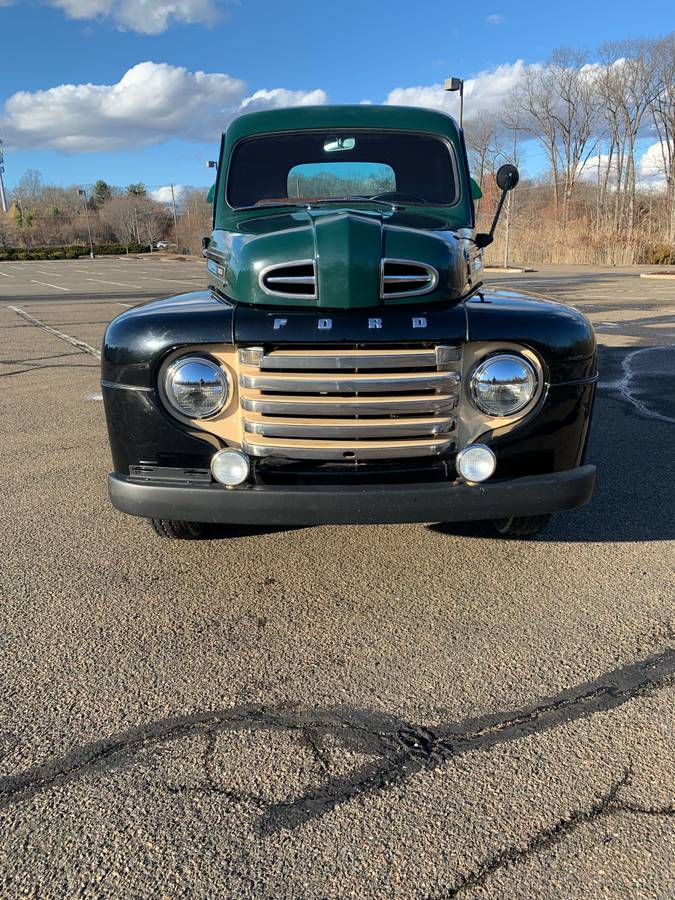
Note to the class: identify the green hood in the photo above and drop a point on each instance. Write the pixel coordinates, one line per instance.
(347, 246)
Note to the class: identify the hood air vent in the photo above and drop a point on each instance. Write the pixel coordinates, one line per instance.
(404, 278)
(294, 279)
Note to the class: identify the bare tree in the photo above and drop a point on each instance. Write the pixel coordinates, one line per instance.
(533, 106)
(662, 109)
(121, 214)
(576, 115)
(631, 87)
(29, 187)
(153, 221)
(482, 142)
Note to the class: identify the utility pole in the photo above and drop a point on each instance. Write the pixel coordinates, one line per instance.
(175, 218)
(86, 206)
(3, 196)
(507, 234)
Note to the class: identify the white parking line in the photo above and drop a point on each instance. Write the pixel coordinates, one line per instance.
(49, 272)
(6, 275)
(196, 281)
(46, 284)
(85, 348)
(130, 305)
(118, 283)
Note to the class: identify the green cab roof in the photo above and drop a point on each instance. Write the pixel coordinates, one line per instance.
(363, 115)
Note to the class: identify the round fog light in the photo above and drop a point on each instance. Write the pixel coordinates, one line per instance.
(230, 467)
(476, 462)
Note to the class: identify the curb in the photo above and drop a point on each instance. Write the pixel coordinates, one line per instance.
(500, 270)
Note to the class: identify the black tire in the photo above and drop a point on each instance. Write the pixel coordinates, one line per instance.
(174, 528)
(521, 526)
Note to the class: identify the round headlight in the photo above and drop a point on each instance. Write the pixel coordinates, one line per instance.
(503, 385)
(195, 386)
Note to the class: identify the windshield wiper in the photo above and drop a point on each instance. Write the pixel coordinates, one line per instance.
(361, 198)
(289, 202)
(298, 201)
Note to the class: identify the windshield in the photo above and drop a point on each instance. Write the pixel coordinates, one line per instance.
(336, 165)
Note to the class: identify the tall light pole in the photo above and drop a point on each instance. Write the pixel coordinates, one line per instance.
(86, 206)
(3, 196)
(457, 84)
(175, 218)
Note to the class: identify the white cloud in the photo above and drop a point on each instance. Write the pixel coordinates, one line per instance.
(151, 103)
(163, 194)
(595, 169)
(486, 93)
(145, 16)
(653, 164)
(494, 20)
(650, 168)
(279, 97)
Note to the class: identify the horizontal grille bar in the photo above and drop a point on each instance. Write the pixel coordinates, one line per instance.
(348, 384)
(349, 403)
(291, 360)
(337, 407)
(357, 450)
(388, 428)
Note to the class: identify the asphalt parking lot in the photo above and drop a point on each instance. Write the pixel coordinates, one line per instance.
(390, 711)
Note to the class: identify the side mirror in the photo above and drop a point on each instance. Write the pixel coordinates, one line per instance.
(507, 178)
(205, 243)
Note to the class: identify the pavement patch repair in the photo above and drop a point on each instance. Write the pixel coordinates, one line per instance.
(371, 711)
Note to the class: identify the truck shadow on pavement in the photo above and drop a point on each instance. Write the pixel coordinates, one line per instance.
(632, 436)
(395, 749)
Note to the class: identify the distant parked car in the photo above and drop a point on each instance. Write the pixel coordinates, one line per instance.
(164, 245)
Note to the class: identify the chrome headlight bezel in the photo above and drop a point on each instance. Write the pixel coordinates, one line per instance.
(532, 380)
(172, 368)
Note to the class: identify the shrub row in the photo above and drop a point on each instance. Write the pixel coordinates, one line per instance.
(659, 255)
(10, 254)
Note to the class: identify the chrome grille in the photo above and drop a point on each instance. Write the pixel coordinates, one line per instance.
(405, 278)
(349, 403)
(295, 279)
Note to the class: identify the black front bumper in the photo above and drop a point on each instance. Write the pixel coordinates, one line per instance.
(338, 505)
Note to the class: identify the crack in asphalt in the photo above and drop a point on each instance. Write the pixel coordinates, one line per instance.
(608, 804)
(31, 360)
(32, 368)
(400, 749)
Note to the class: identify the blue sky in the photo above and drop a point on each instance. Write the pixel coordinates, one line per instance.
(344, 51)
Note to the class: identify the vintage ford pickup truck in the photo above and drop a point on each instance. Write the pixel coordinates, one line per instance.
(345, 363)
